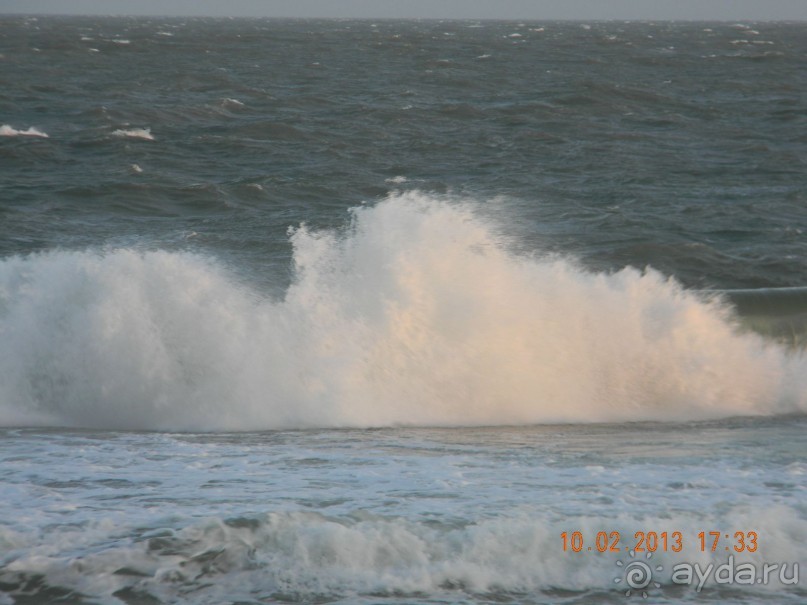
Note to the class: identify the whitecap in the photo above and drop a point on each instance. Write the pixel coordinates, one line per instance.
(134, 133)
(10, 131)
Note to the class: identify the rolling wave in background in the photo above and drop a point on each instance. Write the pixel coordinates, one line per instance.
(415, 314)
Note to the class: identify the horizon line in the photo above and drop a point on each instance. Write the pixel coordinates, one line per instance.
(371, 18)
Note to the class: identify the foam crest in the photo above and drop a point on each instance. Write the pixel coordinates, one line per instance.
(134, 133)
(415, 314)
(10, 131)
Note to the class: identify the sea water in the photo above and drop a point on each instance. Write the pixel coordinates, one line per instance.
(437, 312)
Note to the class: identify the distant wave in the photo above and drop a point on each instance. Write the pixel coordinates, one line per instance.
(414, 315)
(10, 131)
(134, 133)
(231, 103)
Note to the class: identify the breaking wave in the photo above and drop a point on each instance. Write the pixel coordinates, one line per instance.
(134, 133)
(308, 557)
(10, 131)
(416, 314)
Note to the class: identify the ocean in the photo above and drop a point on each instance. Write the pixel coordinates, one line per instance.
(335, 311)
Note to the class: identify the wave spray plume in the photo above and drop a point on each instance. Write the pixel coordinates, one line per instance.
(414, 315)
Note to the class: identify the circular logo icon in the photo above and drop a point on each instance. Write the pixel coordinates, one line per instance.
(637, 575)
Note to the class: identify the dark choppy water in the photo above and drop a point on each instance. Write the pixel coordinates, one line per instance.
(676, 145)
(240, 229)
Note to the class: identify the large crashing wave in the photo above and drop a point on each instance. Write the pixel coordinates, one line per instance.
(415, 315)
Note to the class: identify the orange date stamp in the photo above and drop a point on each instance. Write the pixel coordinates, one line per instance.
(664, 541)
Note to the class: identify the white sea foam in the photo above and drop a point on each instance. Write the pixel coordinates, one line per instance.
(231, 103)
(307, 554)
(134, 133)
(415, 315)
(10, 131)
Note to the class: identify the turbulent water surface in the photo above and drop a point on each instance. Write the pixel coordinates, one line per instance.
(343, 311)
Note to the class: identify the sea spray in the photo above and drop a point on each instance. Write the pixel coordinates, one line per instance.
(415, 314)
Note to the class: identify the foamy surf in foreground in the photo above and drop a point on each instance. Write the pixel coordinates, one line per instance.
(299, 556)
(414, 315)
(395, 516)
